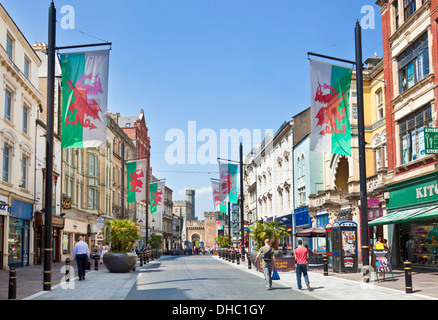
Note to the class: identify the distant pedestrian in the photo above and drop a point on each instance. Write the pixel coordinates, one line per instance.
(81, 252)
(103, 251)
(268, 261)
(301, 255)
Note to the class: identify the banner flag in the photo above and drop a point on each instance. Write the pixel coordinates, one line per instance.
(218, 204)
(84, 99)
(136, 178)
(330, 115)
(157, 196)
(228, 182)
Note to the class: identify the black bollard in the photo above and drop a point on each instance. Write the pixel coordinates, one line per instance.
(249, 262)
(96, 262)
(12, 293)
(141, 258)
(408, 277)
(238, 257)
(325, 259)
(67, 270)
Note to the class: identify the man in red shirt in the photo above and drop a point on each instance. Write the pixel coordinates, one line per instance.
(301, 256)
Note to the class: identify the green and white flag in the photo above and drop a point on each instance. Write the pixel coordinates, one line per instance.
(330, 94)
(228, 182)
(136, 177)
(157, 196)
(218, 204)
(84, 99)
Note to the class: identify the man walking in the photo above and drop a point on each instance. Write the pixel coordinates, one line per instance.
(81, 252)
(267, 253)
(301, 255)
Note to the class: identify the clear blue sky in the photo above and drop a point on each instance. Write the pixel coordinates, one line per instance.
(223, 63)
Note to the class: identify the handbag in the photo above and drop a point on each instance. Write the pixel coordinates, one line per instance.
(275, 275)
(88, 265)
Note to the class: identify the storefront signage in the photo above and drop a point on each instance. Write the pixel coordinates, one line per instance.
(431, 140)
(413, 192)
(281, 264)
(382, 262)
(4, 206)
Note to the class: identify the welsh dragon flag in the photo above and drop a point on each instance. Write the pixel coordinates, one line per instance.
(228, 182)
(330, 94)
(218, 204)
(136, 177)
(84, 99)
(157, 196)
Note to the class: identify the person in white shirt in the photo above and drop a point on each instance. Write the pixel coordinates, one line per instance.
(81, 252)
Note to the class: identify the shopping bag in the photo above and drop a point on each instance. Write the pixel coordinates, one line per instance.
(275, 275)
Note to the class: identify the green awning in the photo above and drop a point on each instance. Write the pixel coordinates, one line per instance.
(428, 214)
(400, 216)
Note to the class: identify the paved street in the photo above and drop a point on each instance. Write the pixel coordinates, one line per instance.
(199, 278)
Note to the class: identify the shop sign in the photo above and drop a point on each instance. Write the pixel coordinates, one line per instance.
(431, 140)
(5, 208)
(382, 261)
(414, 193)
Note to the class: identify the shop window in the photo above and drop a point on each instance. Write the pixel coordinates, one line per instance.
(412, 134)
(413, 63)
(419, 243)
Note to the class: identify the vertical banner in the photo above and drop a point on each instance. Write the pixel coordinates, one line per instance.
(157, 196)
(136, 178)
(330, 115)
(228, 182)
(218, 204)
(84, 99)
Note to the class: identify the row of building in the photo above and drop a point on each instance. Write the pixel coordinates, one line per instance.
(299, 188)
(87, 183)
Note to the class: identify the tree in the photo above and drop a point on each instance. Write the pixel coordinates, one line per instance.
(222, 241)
(155, 241)
(268, 230)
(123, 234)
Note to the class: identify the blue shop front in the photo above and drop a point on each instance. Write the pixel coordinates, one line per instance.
(302, 222)
(19, 233)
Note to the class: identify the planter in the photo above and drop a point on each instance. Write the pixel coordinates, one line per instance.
(119, 262)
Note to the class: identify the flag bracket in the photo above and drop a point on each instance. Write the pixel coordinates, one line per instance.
(84, 46)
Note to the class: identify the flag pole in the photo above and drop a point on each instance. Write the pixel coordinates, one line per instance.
(48, 250)
(242, 198)
(362, 161)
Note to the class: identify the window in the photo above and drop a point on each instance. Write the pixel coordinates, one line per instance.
(413, 63)
(6, 162)
(302, 196)
(409, 7)
(412, 133)
(92, 198)
(92, 165)
(8, 104)
(396, 15)
(26, 70)
(24, 162)
(9, 46)
(25, 119)
(379, 103)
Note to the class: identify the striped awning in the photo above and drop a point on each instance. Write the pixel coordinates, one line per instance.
(401, 216)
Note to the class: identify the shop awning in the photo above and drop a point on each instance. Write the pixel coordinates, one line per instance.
(401, 216)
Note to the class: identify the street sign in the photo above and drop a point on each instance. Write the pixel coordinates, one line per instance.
(99, 223)
(431, 140)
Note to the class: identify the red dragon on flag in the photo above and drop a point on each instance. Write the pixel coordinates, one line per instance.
(330, 113)
(136, 184)
(157, 197)
(84, 106)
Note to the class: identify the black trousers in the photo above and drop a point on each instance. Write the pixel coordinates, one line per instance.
(81, 259)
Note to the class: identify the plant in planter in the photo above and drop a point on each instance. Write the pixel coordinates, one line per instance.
(155, 242)
(267, 230)
(222, 241)
(123, 235)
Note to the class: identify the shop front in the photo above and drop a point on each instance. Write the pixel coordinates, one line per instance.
(57, 227)
(19, 233)
(302, 222)
(412, 221)
(73, 228)
(286, 242)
